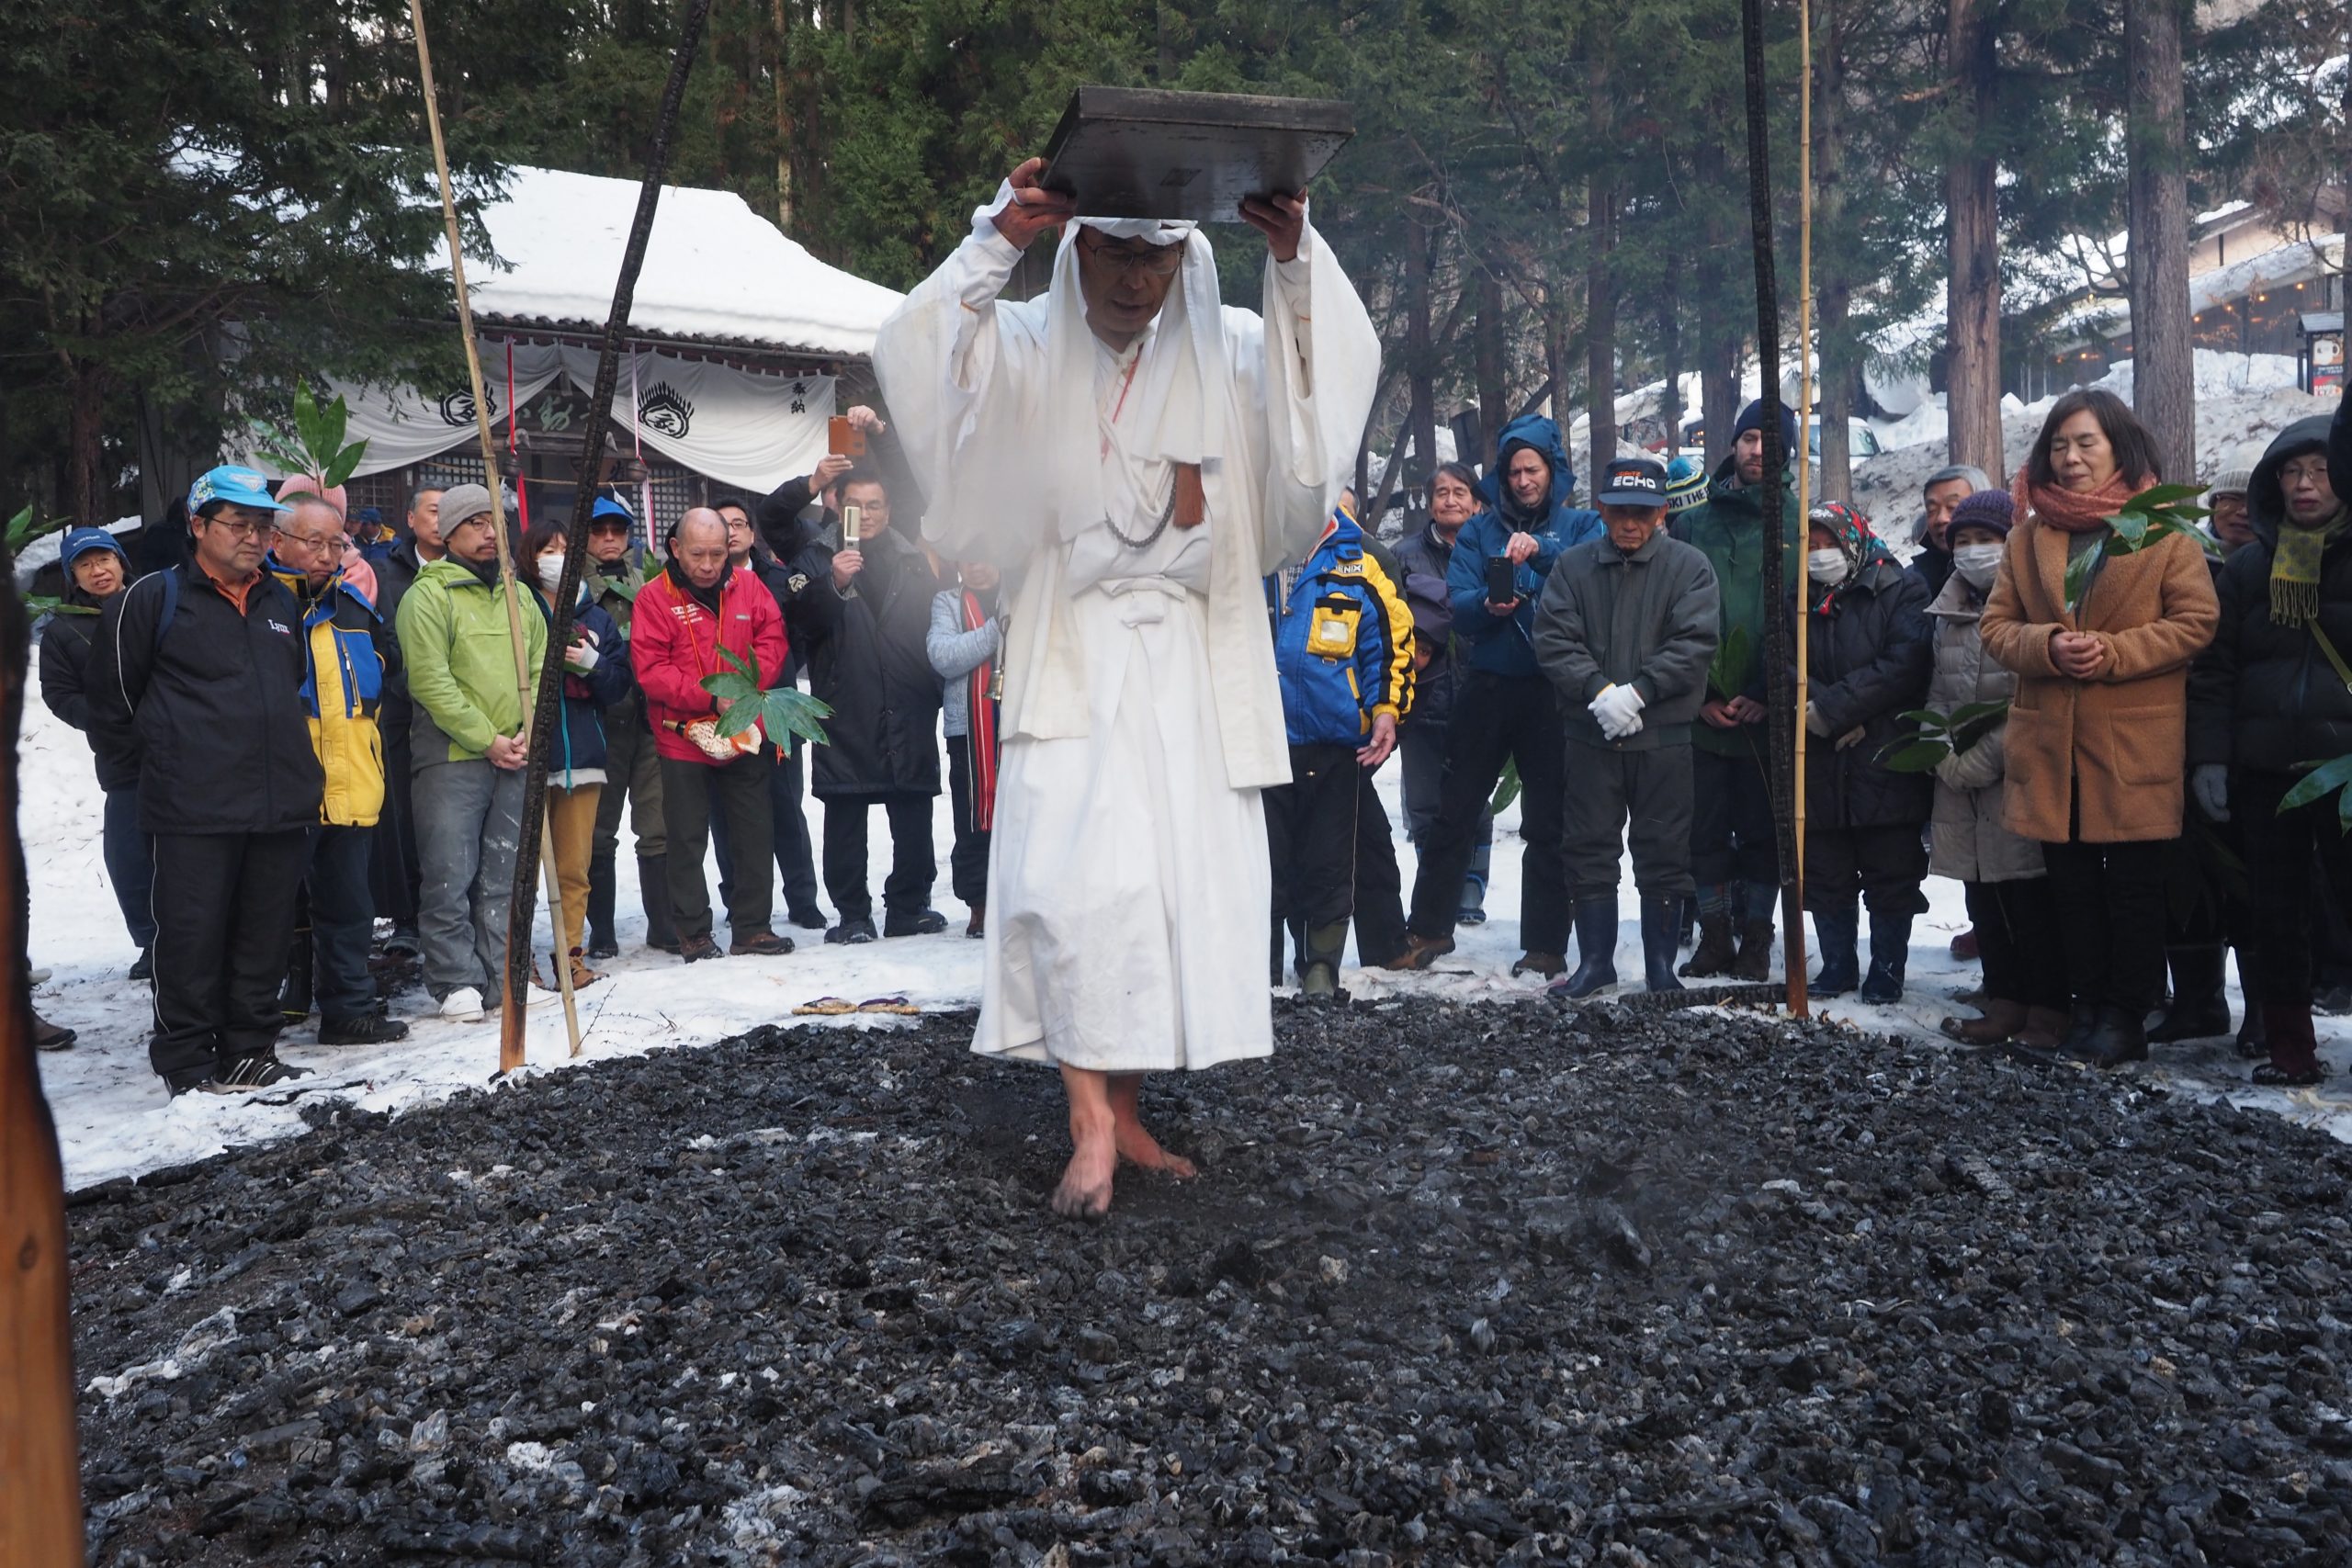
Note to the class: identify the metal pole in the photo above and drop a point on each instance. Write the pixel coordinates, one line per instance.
(510, 1022)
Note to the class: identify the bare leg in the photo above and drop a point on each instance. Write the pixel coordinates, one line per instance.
(1085, 1190)
(1136, 1145)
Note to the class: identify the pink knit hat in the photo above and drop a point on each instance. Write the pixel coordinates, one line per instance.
(312, 484)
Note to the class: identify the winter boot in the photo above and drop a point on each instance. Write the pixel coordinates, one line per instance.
(601, 942)
(294, 1000)
(1318, 975)
(48, 1036)
(2294, 1050)
(1755, 958)
(1661, 935)
(1889, 952)
(2002, 1021)
(1838, 932)
(1596, 946)
(1714, 953)
(2198, 1008)
(653, 887)
(2118, 1036)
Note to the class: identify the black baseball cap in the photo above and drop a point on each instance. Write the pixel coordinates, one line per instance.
(1632, 481)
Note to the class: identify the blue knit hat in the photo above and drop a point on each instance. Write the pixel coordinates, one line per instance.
(1686, 485)
(1752, 418)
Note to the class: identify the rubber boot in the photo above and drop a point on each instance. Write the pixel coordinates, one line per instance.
(1595, 921)
(1840, 933)
(2200, 1010)
(1890, 953)
(1714, 953)
(653, 887)
(1319, 975)
(601, 943)
(1661, 936)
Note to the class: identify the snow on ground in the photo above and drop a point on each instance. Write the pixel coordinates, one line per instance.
(114, 1119)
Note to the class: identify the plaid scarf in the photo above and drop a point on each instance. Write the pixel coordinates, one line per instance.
(980, 735)
(2294, 567)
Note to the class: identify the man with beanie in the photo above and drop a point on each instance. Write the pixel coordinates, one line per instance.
(1503, 707)
(1734, 850)
(1945, 488)
(614, 572)
(467, 736)
(2226, 496)
(1626, 632)
(196, 685)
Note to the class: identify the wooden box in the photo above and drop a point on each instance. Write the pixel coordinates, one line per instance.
(1150, 153)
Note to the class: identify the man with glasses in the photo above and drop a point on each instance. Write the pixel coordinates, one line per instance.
(454, 639)
(196, 682)
(350, 658)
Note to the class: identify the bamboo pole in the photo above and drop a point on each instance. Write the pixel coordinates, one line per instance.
(40, 1493)
(513, 992)
(545, 721)
(1799, 1002)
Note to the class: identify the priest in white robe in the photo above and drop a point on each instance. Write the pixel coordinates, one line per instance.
(1136, 457)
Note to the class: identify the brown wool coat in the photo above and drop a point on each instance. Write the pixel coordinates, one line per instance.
(2121, 736)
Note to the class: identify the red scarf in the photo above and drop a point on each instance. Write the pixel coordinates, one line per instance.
(980, 735)
(2073, 512)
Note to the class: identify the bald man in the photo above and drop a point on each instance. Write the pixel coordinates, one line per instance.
(698, 604)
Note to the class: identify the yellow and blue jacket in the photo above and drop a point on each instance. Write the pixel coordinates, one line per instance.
(1342, 640)
(348, 654)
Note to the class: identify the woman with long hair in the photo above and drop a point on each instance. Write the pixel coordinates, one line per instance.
(2097, 730)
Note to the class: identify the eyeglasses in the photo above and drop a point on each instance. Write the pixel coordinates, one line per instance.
(1157, 261)
(245, 527)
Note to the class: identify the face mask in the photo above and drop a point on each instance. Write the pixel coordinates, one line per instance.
(550, 572)
(1976, 563)
(1828, 568)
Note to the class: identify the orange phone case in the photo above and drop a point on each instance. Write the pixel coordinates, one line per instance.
(844, 439)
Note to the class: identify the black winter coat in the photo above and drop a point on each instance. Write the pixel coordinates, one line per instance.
(67, 643)
(395, 575)
(211, 715)
(1868, 661)
(1422, 553)
(868, 660)
(2263, 696)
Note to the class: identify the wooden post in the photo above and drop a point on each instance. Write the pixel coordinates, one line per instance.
(515, 992)
(40, 1489)
(1795, 948)
(545, 720)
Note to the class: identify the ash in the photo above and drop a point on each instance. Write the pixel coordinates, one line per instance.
(1456, 1285)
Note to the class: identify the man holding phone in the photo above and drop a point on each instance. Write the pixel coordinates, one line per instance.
(1504, 709)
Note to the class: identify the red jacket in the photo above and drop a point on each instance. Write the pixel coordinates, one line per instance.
(673, 642)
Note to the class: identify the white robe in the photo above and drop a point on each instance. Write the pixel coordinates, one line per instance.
(1129, 908)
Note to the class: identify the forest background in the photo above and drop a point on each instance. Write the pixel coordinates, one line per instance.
(1545, 197)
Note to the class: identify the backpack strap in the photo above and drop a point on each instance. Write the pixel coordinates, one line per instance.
(171, 592)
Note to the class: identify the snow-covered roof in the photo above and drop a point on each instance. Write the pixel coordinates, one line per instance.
(715, 272)
(2296, 262)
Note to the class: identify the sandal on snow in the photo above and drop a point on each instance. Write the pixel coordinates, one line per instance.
(899, 1005)
(825, 1007)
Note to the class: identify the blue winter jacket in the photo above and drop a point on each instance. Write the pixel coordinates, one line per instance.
(1342, 642)
(580, 745)
(1503, 645)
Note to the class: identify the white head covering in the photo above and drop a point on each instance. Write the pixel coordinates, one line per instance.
(1183, 356)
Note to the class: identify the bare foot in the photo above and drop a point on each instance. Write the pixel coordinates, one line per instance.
(1134, 1141)
(1085, 1190)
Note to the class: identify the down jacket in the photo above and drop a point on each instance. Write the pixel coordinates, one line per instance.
(2262, 696)
(579, 752)
(1968, 840)
(1866, 658)
(674, 640)
(353, 659)
(1342, 642)
(1504, 645)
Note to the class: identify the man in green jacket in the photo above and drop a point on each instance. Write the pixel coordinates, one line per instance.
(1733, 854)
(466, 736)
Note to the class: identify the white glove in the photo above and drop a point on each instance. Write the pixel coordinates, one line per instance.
(580, 657)
(1618, 710)
(2210, 782)
(1815, 722)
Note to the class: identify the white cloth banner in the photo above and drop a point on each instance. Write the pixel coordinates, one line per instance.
(743, 429)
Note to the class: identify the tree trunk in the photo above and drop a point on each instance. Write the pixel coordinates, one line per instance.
(1600, 290)
(2164, 376)
(85, 443)
(1973, 253)
(1494, 390)
(1838, 367)
(1420, 359)
(1556, 349)
(1669, 349)
(783, 83)
(1722, 339)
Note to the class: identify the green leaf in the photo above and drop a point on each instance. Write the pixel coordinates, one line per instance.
(2078, 576)
(748, 666)
(1914, 756)
(2156, 496)
(1928, 718)
(1506, 788)
(2323, 778)
(739, 718)
(734, 688)
(789, 712)
(621, 586)
(333, 420)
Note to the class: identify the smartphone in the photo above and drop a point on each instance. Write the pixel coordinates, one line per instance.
(1502, 580)
(852, 525)
(844, 439)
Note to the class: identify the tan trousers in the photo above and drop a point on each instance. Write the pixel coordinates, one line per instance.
(571, 828)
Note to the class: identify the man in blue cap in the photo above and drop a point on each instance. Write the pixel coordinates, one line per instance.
(196, 684)
(614, 571)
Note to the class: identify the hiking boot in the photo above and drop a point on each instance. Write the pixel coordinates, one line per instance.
(1890, 953)
(760, 945)
(1421, 952)
(1839, 933)
(695, 949)
(1714, 953)
(369, 1029)
(252, 1072)
(144, 969)
(913, 922)
(850, 932)
(1661, 936)
(2199, 1008)
(1550, 965)
(48, 1036)
(1755, 958)
(1596, 923)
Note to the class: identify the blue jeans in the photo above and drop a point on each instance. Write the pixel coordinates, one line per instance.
(130, 865)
